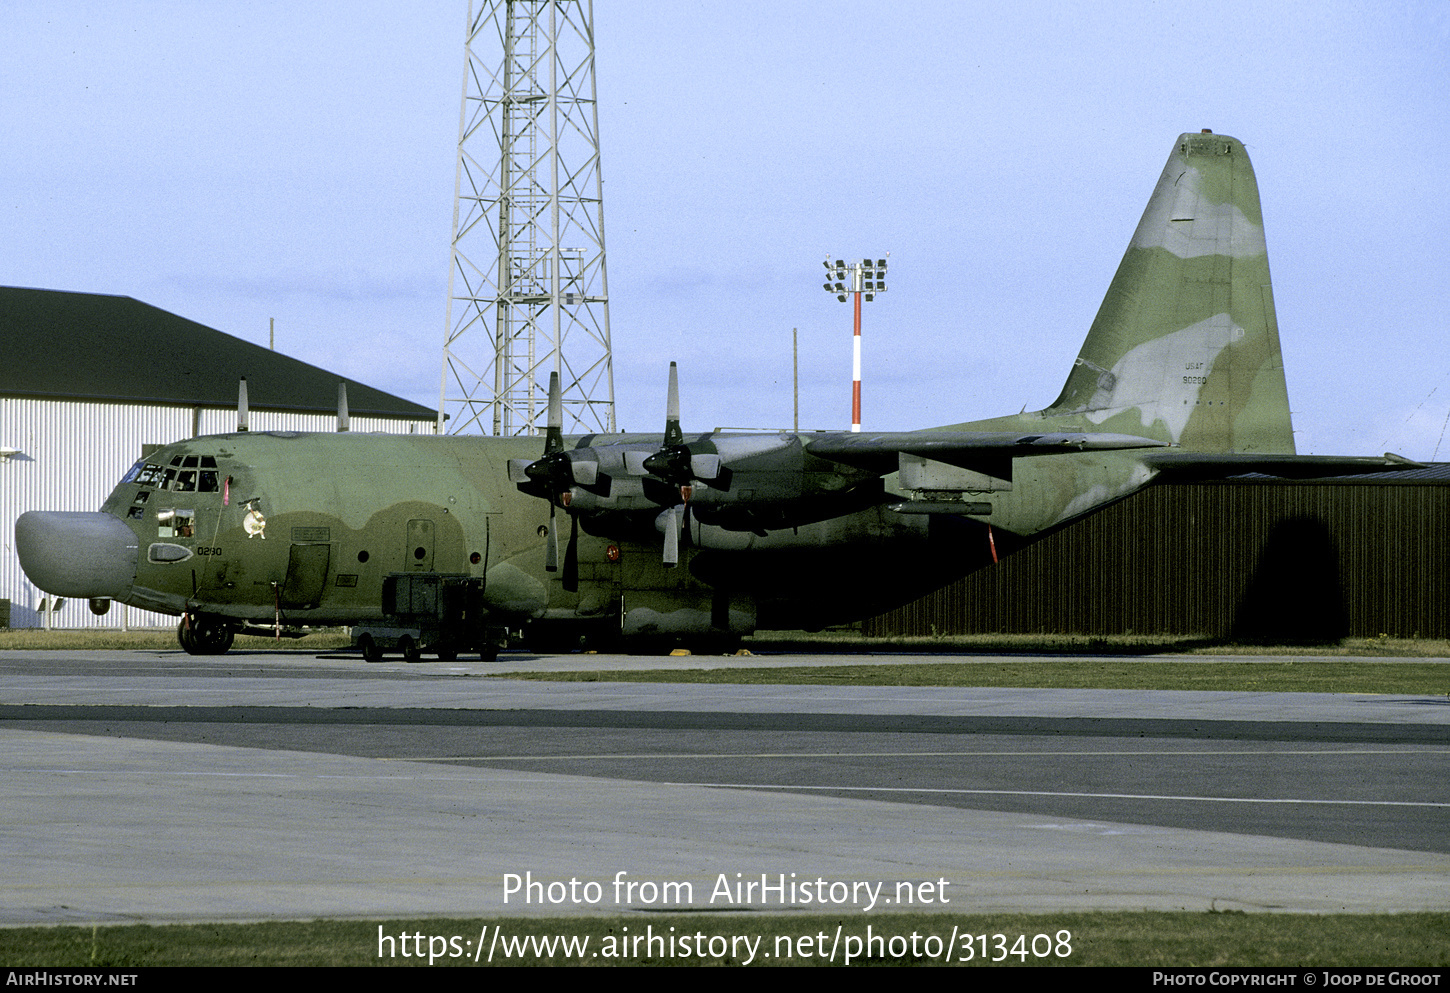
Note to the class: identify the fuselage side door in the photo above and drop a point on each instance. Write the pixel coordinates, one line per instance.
(306, 575)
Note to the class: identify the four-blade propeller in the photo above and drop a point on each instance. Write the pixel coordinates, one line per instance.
(672, 472)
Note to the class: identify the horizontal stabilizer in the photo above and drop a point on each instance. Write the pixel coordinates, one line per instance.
(878, 452)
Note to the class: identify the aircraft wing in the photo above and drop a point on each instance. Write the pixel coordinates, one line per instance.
(1188, 466)
(879, 451)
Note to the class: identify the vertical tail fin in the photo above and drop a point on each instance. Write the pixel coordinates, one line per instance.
(1186, 345)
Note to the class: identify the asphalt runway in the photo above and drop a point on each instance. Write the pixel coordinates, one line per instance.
(157, 786)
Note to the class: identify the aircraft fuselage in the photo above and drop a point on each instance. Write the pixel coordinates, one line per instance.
(303, 529)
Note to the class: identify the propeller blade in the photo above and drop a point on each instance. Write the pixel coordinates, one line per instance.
(571, 557)
(548, 475)
(673, 462)
(554, 431)
(544, 476)
(551, 545)
(673, 434)
(672, 539)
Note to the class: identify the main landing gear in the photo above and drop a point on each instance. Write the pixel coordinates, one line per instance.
(205, 634)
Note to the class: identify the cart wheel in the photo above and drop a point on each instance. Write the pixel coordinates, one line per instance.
(370, 650)
(409, 648)
(488, 653)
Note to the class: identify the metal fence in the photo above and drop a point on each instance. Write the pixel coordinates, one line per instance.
(1250, 560)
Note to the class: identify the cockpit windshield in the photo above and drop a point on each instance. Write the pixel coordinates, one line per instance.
(185, 474)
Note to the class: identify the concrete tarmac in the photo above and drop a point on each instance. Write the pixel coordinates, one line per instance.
(154, 786)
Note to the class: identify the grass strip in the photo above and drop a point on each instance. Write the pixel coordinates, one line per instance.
(1093, 939)
(164, 640)
(1289, 676)
(800, 642)
(843, 642)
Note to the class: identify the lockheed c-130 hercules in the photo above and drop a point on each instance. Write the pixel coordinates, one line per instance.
(687, 537)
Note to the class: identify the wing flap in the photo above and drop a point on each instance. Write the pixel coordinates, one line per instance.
(879, 451)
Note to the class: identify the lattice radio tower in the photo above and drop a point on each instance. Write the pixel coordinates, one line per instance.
(527, 291)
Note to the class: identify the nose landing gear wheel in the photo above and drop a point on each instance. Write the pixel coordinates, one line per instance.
(205, 635)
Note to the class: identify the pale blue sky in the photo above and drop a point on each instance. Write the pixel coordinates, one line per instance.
(235, 163)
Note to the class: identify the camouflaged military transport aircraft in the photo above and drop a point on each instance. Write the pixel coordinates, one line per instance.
(446, 543)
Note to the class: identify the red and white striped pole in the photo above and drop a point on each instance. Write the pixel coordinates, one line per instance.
(856, 361)
(854, 279)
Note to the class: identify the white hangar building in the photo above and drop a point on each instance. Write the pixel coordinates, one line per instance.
(90, 383)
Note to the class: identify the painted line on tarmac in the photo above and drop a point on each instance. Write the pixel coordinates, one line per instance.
(1058, 794)
(897, 755)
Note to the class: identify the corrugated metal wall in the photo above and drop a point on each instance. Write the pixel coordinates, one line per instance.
(72, 453)
(1251, 560)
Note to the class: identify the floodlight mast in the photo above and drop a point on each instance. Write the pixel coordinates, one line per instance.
(527, 289)
(855, 278)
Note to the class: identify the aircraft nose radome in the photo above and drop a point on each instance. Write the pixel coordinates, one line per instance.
(77, 554)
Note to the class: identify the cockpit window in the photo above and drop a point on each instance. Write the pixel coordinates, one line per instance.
(149, 476)
(175, 523)
(187, 474)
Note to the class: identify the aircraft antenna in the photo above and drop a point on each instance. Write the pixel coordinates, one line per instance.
(527, 289)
